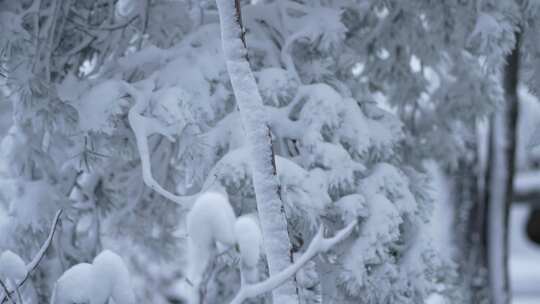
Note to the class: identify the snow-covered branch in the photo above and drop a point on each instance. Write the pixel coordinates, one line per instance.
(274, 226)
(319, 244)
(143, 127)
(37, 258)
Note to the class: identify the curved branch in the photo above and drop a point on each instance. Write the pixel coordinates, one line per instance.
(143, 127)
(37, 258)
(319, 244)
(286, 54)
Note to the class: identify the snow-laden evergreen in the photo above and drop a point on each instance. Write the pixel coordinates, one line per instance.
(129, 115)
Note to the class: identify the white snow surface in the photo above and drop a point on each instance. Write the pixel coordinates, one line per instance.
(210, 220)
(12, 267)
(107, 277)
(249, 239)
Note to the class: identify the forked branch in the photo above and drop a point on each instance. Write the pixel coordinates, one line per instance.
(319, 244)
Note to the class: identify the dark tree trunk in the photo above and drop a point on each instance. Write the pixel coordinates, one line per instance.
(533, 226)
(468, 217)
(499, 181)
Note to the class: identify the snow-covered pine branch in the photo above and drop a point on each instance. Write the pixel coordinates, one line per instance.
(37, 257)
(277, 245)
(318, 245)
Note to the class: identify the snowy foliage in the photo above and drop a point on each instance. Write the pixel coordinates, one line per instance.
(124, 115)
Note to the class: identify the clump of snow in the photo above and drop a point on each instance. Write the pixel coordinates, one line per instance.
(358, 133)
(106, 278)
(12, 267)
(127, 7)
(70, 89)
(387, 131)
(97, 106)
(249, 240)
(14, 150)
(387, 239)
(436, 299)
(78, 285)
(210, 220)
(111, 267)
(277, 87)
(323, 105)
(388, 180)
(33, 203)
(486, 27)
(352, 207)
(169, 104)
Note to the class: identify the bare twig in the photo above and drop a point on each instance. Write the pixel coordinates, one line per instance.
(37, 258)
(19, 297)
(6, 291)
(111, 27)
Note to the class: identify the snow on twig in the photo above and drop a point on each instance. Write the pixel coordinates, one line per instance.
(319, 244)
(37, 258)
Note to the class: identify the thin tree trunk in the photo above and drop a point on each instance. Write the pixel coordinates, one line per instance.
(468, 214)
(270, 207)
(499, 182)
